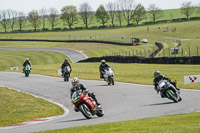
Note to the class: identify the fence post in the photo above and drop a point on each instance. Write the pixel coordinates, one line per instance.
(149, 52)
(189, 51)
(197, 51)
(163, 52)
(182, 52)
(169, 52)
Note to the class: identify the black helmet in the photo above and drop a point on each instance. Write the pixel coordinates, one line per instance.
(156, 74)
(103, 61)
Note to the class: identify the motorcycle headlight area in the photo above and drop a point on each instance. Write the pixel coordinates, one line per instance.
(162, 85)
(75, 99)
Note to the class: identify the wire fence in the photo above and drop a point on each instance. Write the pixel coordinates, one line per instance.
(167, 52)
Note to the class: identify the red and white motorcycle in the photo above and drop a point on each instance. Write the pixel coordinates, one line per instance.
(86, 105)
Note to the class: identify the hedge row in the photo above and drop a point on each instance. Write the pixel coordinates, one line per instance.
(136, 59)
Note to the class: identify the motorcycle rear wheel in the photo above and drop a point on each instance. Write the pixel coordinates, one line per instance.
(110, 80)
(100, 113)
(84, 109)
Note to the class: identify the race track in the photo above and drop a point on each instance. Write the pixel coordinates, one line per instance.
(120, 102)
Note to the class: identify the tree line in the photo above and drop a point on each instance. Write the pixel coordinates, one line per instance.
(120, 10)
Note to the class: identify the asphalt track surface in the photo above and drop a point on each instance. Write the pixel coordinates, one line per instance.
(75, 56)
(120, 102)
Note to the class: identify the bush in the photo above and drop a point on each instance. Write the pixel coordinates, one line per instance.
(78, 28)
(65, 29)
(57, 29)
(45, 29)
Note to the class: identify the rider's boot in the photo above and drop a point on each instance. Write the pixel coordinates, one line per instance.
(180, 99)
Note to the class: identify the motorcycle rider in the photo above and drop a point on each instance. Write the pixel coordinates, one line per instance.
(26, 62)
(64, 64)
(102, 68)
(77, 86)
(158, 77)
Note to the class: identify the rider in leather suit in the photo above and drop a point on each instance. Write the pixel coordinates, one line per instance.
(158, 77)
(77, 86)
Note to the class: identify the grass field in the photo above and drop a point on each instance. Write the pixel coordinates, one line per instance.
(186, 30)
(184, 123)
(16, 107)
(168, 14)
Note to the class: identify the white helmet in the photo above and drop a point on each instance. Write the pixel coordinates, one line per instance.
(75, 81)
(103, 61)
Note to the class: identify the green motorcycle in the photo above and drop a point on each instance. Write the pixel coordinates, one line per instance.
(27, 70)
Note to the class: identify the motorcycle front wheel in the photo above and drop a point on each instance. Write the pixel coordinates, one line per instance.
(111, 80)
(66, 77)
(26, 74)
(173, 96)
(84, 109)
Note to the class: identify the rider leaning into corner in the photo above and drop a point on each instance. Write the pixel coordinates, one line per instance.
(26, 62)
(158, 77)
(102, 68)
(64, 64)
(78, 86)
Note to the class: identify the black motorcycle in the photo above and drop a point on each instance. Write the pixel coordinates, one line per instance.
(66, 73)
(169, 91)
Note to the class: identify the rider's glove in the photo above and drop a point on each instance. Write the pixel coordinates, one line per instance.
(85, 91)
(156, 89)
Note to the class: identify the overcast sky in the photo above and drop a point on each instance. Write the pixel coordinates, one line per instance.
(28, 5)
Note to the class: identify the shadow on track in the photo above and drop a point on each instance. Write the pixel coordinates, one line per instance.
(159, 104)
(73, 120)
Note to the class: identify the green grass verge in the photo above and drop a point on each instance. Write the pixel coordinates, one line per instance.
(12, 58)
(183, 123)
(16, 107)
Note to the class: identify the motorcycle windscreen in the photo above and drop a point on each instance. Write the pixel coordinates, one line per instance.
(27, 67)
(67, 69)
(161, 85)
(76, 96)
